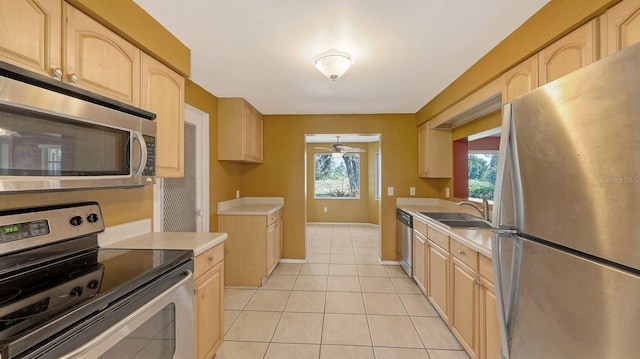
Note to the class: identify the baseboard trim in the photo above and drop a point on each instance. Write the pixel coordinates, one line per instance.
(389, 263)
(295, 261)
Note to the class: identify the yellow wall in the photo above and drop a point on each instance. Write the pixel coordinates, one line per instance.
(553, 21)
(284, 161)
(225, 177)
(338, 210)
(374, 204)
(481, 124)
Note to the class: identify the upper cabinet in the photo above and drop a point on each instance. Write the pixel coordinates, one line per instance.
(30, 35)
(570, 53)
(620, 27)
(100, 61)
(239, 131)
(435, 152)
(520, 79)
(163, 94)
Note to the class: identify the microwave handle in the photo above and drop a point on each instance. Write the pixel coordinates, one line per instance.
(138, 168)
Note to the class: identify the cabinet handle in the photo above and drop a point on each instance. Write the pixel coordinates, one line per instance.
(195, 290)
(210, 259)
(57, 73)
(460, 252)
(73, 78)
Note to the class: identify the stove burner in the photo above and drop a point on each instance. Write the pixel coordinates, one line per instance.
(6, 294)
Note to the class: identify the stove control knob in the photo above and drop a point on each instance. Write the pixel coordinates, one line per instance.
(93, 284)
(76, 292)
(76, 221)
(92, 218)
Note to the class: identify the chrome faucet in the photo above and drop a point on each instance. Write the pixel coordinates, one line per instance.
(484, 211)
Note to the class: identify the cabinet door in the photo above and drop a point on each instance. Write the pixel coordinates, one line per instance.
(163, 94)
(438, 280)
(272, 238)
(98, 60)
(30, 35)
(489, 330)
(209, 311)
(570, 53)
(278, 242)
(464, 314)
(435, 157)
(247, 132)
(418, 260)
(257, 137)
(520, 79)
(620, 27)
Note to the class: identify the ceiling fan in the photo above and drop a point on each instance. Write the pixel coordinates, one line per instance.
(339, 149)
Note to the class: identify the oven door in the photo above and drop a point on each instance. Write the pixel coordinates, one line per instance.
(161, 328)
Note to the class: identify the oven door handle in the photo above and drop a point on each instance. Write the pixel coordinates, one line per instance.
(123, 328)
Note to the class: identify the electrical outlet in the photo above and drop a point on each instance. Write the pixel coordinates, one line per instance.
(412, 191)
(237, 193)
(446, 192)
(389, 191)
(325, 209)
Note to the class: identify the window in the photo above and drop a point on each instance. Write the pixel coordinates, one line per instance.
(482, 174)
(336, 177)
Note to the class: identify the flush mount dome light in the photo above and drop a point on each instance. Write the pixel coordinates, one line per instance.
(333, 63)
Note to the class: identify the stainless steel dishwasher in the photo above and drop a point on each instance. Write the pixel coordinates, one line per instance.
(404, 238)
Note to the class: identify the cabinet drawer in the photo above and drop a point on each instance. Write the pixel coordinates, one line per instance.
(486, 268)
(208, 259)
(438, 237)
(273, 217)
(467, 255)
(419, 226)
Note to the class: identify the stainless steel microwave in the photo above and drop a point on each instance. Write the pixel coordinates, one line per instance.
(54, 136)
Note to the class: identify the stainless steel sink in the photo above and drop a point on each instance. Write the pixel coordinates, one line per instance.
(474, 223)
(439, 216)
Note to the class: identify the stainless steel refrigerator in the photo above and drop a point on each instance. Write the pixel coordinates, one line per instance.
(567, 252)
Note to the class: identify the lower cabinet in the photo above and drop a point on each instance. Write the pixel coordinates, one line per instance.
(208, 302)
(458, 281)
(253, 248)
(438, 279)
(419, 254)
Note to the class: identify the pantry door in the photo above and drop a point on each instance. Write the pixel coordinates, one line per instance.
(182, 204)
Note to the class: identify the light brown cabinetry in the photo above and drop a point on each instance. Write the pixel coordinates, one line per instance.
(419, 256)
(98, 60)
(620, 27)
(570, 53)
(239, 131)
(163, 94)
(465, 297)
(30, 35)
(489, 346)
(274, 240)
(437, 277)
(208, 301)
(253, 249)
(520, 79)
(435, 152)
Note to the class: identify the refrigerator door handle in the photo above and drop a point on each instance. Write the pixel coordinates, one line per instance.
(499, 289)
(502, 162)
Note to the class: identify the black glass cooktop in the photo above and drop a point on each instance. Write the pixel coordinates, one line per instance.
(40, 295)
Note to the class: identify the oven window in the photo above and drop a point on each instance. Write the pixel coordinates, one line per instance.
(156, 338)
(35, 144)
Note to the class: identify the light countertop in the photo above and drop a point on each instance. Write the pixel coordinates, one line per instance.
(477, 239)
(197, 242)
(250, 206)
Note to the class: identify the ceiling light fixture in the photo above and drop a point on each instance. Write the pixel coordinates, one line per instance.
(333, 63)
(337, 154)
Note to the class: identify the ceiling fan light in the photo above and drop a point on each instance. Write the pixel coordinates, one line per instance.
(337, 154)
(333, 63)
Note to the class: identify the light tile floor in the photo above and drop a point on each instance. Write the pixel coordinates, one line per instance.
(340, 304)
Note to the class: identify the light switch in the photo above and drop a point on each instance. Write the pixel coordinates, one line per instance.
(412, 191)
(389, 191)
(446, 192)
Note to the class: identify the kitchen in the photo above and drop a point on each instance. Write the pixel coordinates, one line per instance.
(400, 148)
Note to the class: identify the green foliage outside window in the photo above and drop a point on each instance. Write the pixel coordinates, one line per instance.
(336, 177)
(482, 175)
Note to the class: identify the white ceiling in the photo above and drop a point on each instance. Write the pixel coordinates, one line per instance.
(404, 51)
